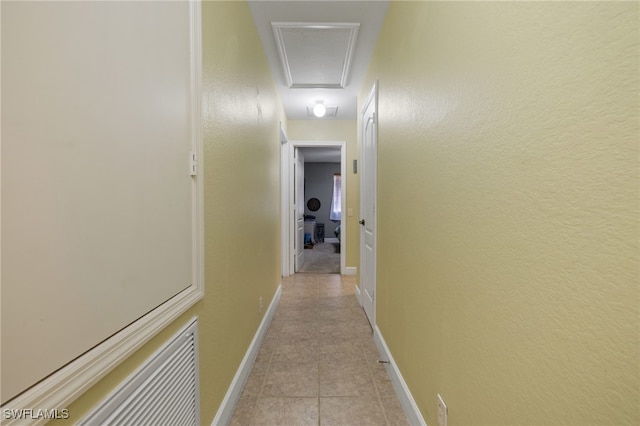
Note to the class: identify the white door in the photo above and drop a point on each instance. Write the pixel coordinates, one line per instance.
(298, 205)
(368, 161)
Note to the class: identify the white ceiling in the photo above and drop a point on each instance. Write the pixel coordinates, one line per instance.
(325, 60)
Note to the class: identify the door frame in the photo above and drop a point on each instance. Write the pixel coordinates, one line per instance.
(288, 219)
(299, 207)
(284, 203)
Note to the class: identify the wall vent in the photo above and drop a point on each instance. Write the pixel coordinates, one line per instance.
(163, 391)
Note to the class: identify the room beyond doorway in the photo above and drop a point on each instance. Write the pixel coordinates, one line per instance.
(322, 258)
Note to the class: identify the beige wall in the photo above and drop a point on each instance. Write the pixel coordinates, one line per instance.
(337, 130)
(241, 113)
(508, 208)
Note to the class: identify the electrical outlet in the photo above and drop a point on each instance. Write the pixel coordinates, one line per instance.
(260, 305)
(442, 412)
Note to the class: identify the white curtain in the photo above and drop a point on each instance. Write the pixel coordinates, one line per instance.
(337, 196)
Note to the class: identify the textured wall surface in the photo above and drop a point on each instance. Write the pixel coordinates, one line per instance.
(337, 130)
(241, 112)
(508, 208)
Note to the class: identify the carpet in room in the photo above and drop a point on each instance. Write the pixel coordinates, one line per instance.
(323, 258)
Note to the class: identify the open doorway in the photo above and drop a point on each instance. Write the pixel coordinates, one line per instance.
(322, 209)
(316, 193)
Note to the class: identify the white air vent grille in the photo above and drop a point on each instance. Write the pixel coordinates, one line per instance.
(164, 391)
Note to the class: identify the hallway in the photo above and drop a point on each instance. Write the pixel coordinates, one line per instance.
(318, 364)
(147, 149)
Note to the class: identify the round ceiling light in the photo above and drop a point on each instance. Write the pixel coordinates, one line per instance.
(319, 110)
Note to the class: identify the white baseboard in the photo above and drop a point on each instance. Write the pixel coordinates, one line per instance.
(358, 295)
(350, 270)
(402, 390)
(225, 412)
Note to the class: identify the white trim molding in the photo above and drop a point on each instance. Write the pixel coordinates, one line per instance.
(350, 270)
(228, 405)
(68, 383)
(197, 183)
(409, 405)
(284, 203)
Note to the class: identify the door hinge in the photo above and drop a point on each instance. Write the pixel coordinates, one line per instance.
(193, 163)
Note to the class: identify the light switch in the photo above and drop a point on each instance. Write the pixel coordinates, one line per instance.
(349, 212)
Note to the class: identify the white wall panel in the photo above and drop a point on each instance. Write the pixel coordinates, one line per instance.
(96, 194)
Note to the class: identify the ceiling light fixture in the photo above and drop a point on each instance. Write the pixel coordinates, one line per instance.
(319, 110)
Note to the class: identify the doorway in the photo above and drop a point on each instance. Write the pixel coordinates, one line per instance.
(312, 203)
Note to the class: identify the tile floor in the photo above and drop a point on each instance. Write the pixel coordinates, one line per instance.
(318, 364)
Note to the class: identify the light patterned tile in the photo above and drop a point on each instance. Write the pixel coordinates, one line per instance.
(393, 412)
(291, 379)
(291, 329)
(306, 279)
(299, 330)
(310, 294)
(382, 381)
(295, 350)
(370, 349)
(254, 383)
(341, 331)
(319, 348)
(304, 313)
(344, 313)
(351, 411)
(243, 414)
(329, 278)
(346, 350)
(286, 411)
(264, 356)
(299, 303)
(325, 302)
(350, 378)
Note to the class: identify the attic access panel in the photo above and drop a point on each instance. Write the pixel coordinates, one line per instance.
(316, 55)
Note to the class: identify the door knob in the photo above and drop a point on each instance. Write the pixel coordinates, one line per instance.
(361, 222)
